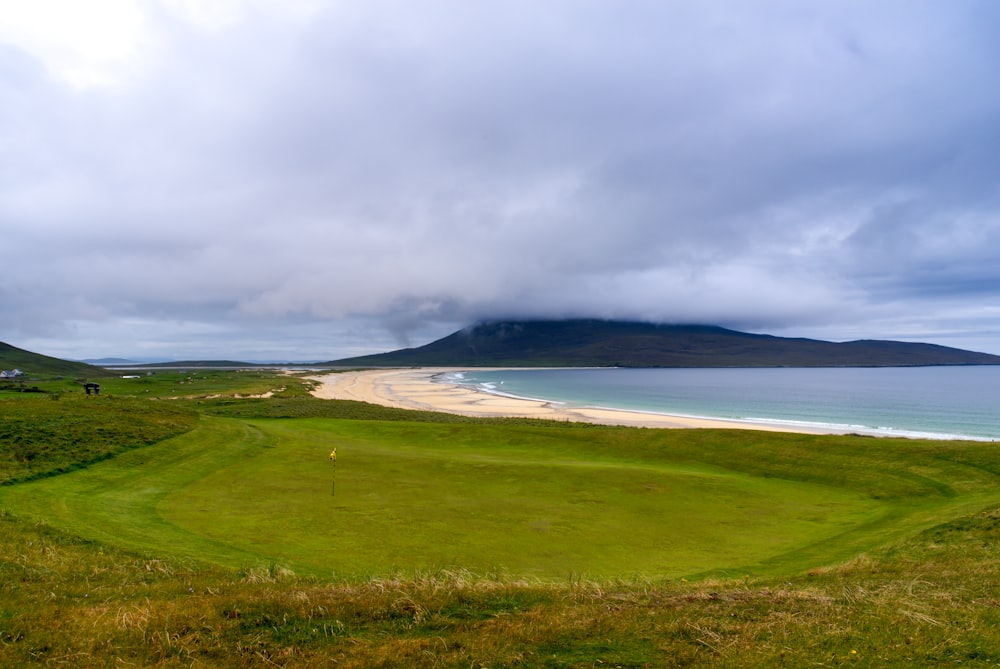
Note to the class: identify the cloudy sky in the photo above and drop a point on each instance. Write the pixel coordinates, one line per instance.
(312, 179)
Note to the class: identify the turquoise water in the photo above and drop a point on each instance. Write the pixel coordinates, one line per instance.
(933, 402)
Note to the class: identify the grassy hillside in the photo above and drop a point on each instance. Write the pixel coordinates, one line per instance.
(223, 545)
(34, 364)
(929, 601)
(595, 343)
(42, 437)
(60, 429)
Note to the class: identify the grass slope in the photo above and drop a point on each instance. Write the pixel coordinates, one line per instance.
(33, 364)
(40, 437)
(931, 600)
(896, 561)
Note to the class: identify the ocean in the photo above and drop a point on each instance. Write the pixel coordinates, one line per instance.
(919, 402)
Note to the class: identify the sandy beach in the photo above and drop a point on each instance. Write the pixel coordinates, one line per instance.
(417, 389)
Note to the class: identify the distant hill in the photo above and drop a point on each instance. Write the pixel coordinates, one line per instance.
(110, 361)
(199, 364)
(30, 363)
(599, 343)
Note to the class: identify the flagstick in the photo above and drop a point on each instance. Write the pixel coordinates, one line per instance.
(333, 485)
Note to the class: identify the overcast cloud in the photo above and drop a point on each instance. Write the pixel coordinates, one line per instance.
(265, 179)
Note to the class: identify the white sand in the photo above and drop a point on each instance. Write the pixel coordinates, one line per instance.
(416, 389)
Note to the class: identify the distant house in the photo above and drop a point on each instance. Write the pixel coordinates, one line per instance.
(11, 374)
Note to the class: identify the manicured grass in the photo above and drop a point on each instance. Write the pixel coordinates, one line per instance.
(547, 501)
(427, 497)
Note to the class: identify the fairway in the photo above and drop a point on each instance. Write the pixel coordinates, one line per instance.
(424, 498)
(543, 502)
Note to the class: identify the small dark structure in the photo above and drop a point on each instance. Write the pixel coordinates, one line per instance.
(94, 388)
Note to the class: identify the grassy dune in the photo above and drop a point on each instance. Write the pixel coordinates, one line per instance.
(456, 542)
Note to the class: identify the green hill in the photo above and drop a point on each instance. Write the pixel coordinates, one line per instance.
(599, 343)
(30, 363)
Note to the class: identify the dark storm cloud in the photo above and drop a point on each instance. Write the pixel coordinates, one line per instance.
(412, 167)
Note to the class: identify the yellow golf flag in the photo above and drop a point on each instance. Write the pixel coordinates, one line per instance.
(333, 454)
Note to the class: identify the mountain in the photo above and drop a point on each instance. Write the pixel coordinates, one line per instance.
(30, 363)
(599, 343)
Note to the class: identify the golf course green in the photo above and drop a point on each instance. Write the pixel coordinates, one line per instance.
(545, 502)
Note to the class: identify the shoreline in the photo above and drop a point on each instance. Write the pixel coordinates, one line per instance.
(416, 388)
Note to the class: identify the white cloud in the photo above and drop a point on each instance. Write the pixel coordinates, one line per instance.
(108, 42)
(266, 168)
(90, 43)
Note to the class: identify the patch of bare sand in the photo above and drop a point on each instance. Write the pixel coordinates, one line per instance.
(418, 389)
